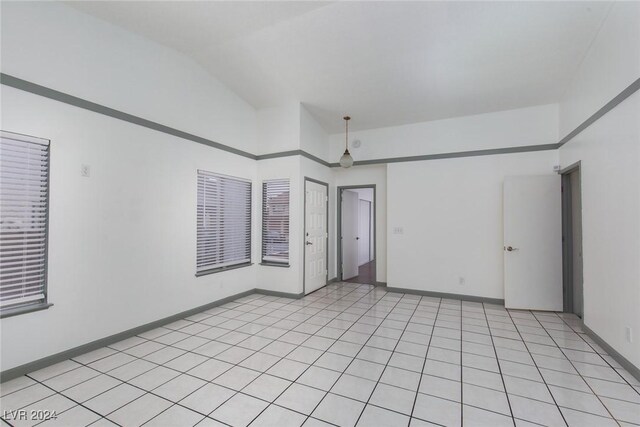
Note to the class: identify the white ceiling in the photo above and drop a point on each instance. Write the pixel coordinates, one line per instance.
(383, 63)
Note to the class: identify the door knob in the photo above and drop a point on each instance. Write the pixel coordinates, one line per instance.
(308, 243)
(357, 238)
(511, 249)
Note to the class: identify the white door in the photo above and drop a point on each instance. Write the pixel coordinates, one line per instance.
(315, 266)
(364, 233)
(533, 242)
(350, 213)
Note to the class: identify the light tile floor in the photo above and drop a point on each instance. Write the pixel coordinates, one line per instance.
(345, 355)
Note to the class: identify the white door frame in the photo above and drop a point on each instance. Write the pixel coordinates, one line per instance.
(304, 230)
(339, 227)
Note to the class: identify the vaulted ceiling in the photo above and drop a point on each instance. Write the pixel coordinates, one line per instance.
(384, 63)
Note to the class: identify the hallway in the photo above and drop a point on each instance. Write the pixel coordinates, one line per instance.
(366, 274)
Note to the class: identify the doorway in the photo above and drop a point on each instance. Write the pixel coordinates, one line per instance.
(356, 234)
(572, 240)
(316, 215)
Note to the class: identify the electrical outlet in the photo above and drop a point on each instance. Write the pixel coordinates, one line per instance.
(85, 170)
(461, 281)
(629, 333)
(398, 230)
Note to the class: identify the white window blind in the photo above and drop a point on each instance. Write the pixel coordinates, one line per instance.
(275, 221)
(224, 221)
(24, 200)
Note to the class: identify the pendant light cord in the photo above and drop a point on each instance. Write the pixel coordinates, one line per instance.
(346, 136)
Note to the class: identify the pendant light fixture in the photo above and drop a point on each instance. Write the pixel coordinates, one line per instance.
(346, 161)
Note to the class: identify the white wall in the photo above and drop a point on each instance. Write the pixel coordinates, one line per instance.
(451, 215)
(313, 138)
(524, 126)
(609, 152)
(278, 128)
(283, 279)
(611, 64)
(56, 46)
(122, 242)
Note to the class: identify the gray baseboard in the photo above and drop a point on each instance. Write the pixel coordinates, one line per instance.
(626, 364)
(383, 284)
(472, 298)
(335, 279)
(18, 371)
(279, 294)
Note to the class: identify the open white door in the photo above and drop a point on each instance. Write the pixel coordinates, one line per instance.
(364, 232)
(350, 213)
(315, 248)
(533, 242)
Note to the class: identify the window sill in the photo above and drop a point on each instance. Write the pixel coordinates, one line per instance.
(221, 269)
(275, 264)
(24, 309)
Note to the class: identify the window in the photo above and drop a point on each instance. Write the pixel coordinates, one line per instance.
(224, 222)
(24, 207)
(275, 222)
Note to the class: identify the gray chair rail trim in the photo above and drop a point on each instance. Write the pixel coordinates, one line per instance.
(46, 92)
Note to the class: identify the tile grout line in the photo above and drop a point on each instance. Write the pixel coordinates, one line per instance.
(73, 400)
(498, 362)
(308, 386)
(373, 362)
(424, 363)
(392, 351)
(127, 381)
(605, 360)
(356, 355)
(328, 301)
(158, 365)
(323, 353)
(266, 327)
(237, 364)
(236, 392)
(574, 367)
(538, 368)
